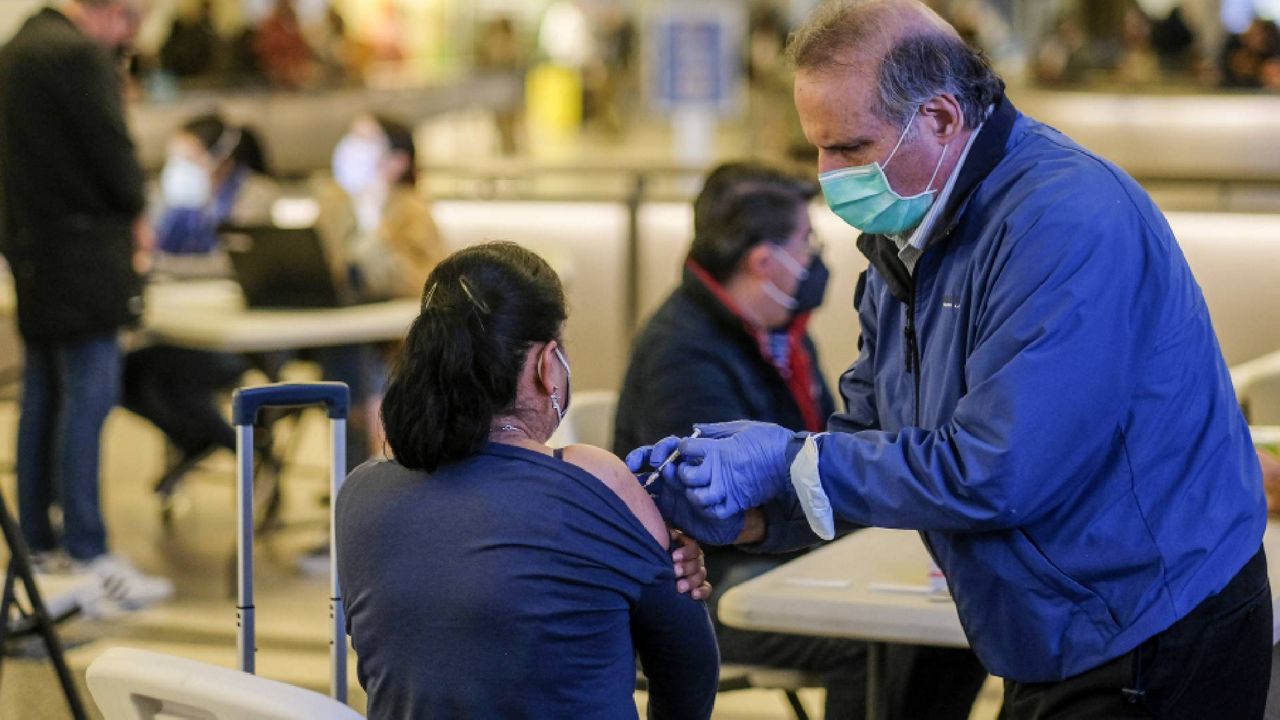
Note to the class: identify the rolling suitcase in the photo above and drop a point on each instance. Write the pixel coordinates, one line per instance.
(245, 404)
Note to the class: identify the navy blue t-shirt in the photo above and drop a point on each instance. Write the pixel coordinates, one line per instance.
(513, 585)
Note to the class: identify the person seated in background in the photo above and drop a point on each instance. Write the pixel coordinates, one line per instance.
(377, 224)
(485, 570)
(215, 173)
(382, 242)
(731, 342)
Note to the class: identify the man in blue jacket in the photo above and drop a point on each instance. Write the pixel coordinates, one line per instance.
(1039, 391)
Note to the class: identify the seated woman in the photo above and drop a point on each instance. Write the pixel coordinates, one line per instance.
(485, 573)
(382, 241)
(215, 173)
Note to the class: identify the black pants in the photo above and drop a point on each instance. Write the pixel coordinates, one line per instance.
(1213, 663)
(176, 388)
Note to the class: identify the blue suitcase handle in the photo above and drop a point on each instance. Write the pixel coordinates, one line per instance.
(246, 402)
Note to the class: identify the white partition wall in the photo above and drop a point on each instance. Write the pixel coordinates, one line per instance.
(1236, 261)
(586, 242)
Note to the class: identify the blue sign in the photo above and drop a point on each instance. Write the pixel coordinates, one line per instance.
(695, 60)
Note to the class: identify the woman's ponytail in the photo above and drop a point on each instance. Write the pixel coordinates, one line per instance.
(482, 309)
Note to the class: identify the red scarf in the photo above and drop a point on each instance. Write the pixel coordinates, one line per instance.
(799, 375)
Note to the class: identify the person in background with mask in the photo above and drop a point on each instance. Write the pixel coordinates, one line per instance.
(75, 238)
(1039, 392)
(382, 243)
(215, 173)
(731, 342)
(376, 221)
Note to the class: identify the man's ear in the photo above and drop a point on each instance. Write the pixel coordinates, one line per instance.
(757, 260)
(944, 117)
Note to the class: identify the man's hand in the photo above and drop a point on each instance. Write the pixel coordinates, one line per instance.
(1270, 480)
(144, 243)
(690, 566)
(734, 466)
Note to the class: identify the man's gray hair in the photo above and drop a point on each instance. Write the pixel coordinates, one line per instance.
(915, 68)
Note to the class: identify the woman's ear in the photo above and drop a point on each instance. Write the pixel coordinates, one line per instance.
(545, 361)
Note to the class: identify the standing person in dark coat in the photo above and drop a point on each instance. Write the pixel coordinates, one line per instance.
(73, 198)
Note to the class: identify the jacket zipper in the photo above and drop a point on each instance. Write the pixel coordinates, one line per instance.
(912, 356)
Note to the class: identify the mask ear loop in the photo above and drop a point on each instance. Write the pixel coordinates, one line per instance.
(555, 397)
(901, 139)
(936, 168)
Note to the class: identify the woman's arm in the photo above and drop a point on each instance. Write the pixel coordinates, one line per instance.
(677, 646)
(614, 474)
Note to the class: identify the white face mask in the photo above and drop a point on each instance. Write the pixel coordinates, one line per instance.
(792, 266)
(356, 162)
(561, 410)
(184, 183)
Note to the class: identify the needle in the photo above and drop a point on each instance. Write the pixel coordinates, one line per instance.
(653, 476)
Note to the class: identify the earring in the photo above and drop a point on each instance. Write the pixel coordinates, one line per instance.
(555, 404)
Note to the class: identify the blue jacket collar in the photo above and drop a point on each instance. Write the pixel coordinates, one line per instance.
(987, 152)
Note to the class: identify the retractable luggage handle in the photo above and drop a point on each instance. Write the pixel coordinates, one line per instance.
(245, 404)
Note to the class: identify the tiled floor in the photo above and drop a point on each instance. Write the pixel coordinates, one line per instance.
(197, 551)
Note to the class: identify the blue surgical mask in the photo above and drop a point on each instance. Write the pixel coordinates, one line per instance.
(184, 183)
(862, 196)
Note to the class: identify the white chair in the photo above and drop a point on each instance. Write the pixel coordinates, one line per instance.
(589, 420)
(130, 684)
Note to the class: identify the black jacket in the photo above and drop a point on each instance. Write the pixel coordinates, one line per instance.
(71, 184)
(694, 362)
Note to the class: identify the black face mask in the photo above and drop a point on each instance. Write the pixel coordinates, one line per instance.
(813, 288)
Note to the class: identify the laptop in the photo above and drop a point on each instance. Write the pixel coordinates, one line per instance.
(281, 268)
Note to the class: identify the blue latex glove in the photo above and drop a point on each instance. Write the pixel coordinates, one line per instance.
(644, 460)
(680, 513)
(736, 466)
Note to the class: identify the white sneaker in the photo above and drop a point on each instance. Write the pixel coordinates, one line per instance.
(126, 586)
(64, 594)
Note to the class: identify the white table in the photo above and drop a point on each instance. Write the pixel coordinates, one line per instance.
(832, 592)
(210, 315)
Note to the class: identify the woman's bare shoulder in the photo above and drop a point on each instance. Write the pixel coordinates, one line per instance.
(614, 474)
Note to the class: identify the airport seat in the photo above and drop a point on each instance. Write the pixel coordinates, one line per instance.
(589, 420)
(130, 684)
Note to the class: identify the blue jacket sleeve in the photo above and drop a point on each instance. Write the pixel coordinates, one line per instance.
(857, 386)
(1055, 332)
(787, 529)
(677, 646)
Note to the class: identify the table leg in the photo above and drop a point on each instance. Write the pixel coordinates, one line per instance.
(875, 678)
